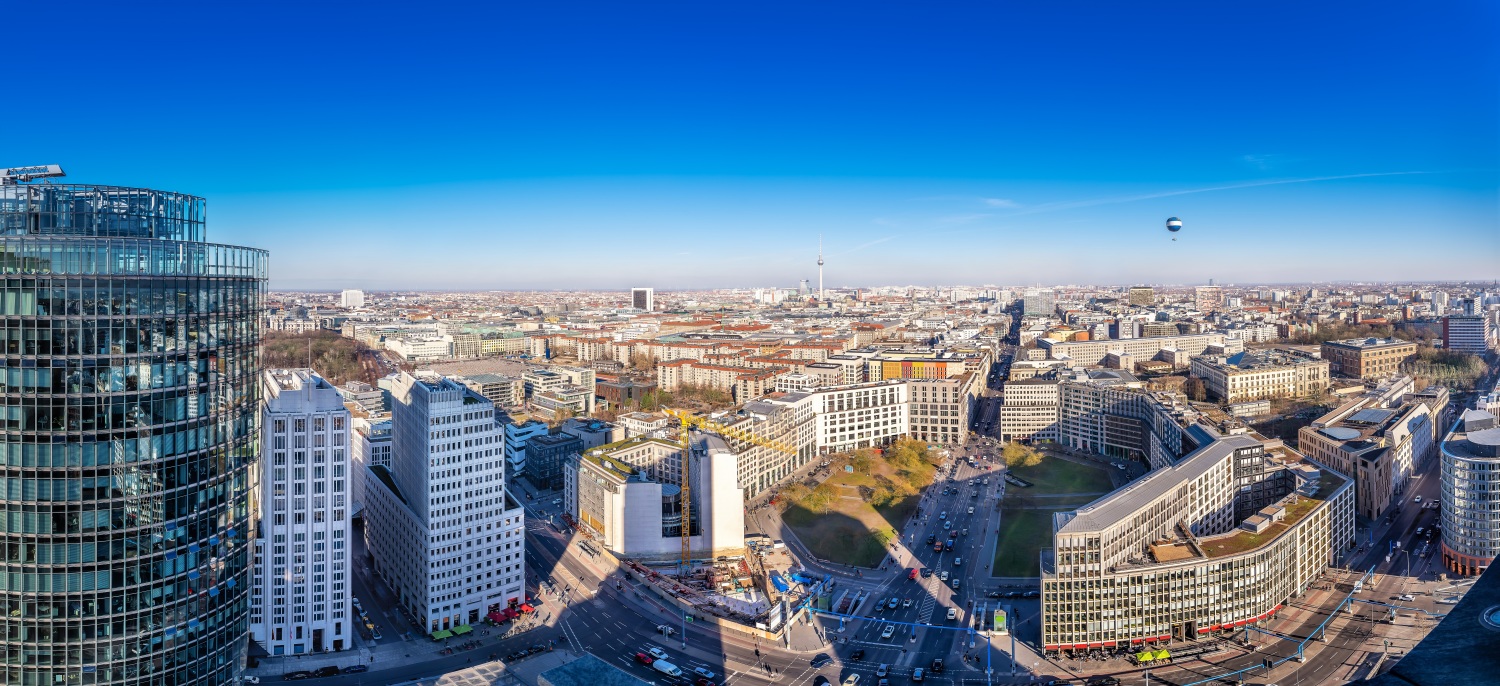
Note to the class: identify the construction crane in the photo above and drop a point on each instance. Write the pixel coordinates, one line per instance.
(690, 421)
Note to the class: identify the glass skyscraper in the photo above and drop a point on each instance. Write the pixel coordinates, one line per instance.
(129, 380)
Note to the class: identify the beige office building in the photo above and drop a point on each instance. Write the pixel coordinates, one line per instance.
(1368, 358)
(1266, 375)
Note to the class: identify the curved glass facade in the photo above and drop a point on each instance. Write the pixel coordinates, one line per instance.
(128, 404)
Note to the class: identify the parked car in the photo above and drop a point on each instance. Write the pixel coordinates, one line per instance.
(297, 675)
(1104, 681)
(355, 669)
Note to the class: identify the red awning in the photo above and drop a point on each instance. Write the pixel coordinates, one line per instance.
(1135, 640)
(497, 616)
(526, 608)
(1050, 648)
(1110, 643)
(1096, 645)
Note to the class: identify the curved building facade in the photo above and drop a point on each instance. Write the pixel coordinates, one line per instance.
(1471, 488)
(129, 383)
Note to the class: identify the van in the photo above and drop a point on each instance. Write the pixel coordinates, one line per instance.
(778, 544)
(666, 668)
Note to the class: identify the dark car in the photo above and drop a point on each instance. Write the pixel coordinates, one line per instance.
(820, 660)
(297, 676)
(356, 669)
(931, 538)
(926, 572)
(1031, 594)
(858, 654)
(820, 680)
(702, 681)
(326, 671)
(1104, 681)
(937, 666)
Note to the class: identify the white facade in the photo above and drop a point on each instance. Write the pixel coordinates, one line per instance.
(420, 348)
(1030, 411)
(516, 436)
(351, 299)
(643, 299)
(613, 493)
(445, 534)
(371, 446)
(300, 591)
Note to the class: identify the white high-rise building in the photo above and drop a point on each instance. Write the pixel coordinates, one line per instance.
(444, 532)
(352, 299)
(643, 299)
(300, 591)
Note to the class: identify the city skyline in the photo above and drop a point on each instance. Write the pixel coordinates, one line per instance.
(710, 148)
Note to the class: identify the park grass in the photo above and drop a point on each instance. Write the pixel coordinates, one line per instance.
(1056, 476)
(845, 534)
(1022, 535)
(1058, 485)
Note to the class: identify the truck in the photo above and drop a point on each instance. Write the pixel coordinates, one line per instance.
(666, 668)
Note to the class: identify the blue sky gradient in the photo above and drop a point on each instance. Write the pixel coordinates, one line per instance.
(606, 145)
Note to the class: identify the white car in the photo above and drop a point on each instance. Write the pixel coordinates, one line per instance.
(971, 510)
(952, 613)
(947, 525)
(883, 669)
(1418, 500)
(888, 631)
(658, 653)
(906, 602)
(703, 672)
(943, 576)
(851, 680)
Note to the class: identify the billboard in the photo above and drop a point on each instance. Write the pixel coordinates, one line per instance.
(999, 622)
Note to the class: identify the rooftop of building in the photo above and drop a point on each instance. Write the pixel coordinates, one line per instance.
(384, 475)
(1368, 342)
(1124, 502)
(1258, 360)
(491, 378)
(1298, 505)
(1475, 436)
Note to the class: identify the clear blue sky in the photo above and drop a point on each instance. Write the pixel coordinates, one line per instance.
(697, 144)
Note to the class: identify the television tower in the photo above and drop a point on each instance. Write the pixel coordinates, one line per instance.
(820, 269)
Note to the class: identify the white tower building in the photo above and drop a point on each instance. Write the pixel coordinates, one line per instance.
(300, 591)
(445, 534)
(352, 299)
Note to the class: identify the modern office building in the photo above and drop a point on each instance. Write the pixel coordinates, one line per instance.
(300, 598)
(1367, 358)
(133, 388)
(643, 299)
(629, 495)
(1028, 412)
(1224, 537)
(444, 532)
(1468, 333)
(1256, 375)
(1471, 493)
(1379, 444)
(503, 391)
(1039, 301)
(1092, 353)
(352, 299)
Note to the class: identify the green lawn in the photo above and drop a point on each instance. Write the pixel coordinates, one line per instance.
(844, 534)
(1056, 476)
(1058, 485)
(1023, 534)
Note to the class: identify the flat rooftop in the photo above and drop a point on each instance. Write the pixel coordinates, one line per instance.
(1124, 502)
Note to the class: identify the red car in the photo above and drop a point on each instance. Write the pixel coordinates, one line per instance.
(644, 658)
(937, 547)
(911, 573)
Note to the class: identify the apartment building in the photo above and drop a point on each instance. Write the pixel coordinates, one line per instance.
(1208, 298)
(1261, 375)
(444, 533)
(940, 408)
(505, 391)
(1367, 358)
(299, 600)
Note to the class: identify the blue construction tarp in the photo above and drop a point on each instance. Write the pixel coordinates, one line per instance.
(780, 583)
(801, 579)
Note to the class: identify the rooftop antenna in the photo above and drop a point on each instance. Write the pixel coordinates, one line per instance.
(16, 175)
